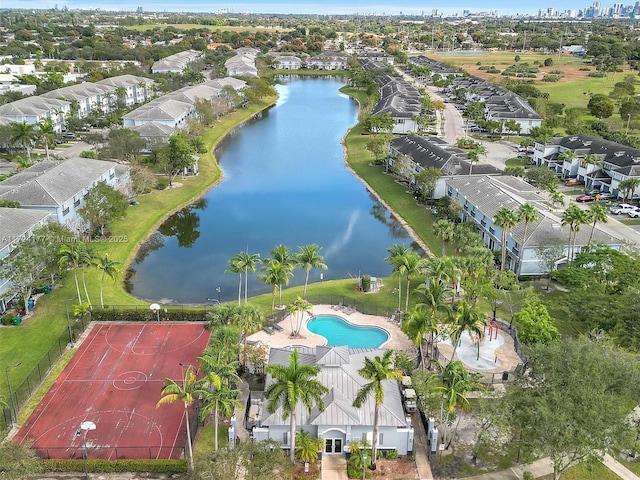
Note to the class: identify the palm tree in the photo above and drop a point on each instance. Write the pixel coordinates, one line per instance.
(528, 214)
(413, 265)
(597, 213)
(573, 216)
(465, 317)
(251, 318)
(452, 383)
(109, 268)
(309, 257)
(275, 274)
(567, 156)
(445, 231)
(69, 257)
(506, 219)
(474, 155)
(249, 263)
(22, 162)
(628, 187)
(298, 308)
(293, 384)
(220, 378)
(395, 260)
(236, 266)
(86, 258)
(282, 255)
(186, 393)
(23, 134)
(46, 134)
(376, 370)
(307, 447)
(227, 343)
(557, 197)
(418, 322)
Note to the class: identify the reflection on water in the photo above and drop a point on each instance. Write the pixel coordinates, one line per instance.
(285, 182)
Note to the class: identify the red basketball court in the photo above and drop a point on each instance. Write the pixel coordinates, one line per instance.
(114, 381)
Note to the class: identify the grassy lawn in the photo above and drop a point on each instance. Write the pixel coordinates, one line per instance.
(205, 440)
(589, 471)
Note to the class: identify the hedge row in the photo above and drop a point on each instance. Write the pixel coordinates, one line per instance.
(141, 315)
(105, 466)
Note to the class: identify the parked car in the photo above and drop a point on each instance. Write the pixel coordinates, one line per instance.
(573, 181)
(622, 208)
(69, 135)
(634, 213)
(593, 192)
(585, 198)
(605, 196)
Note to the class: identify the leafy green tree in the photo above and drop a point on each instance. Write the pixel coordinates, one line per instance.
(549, 254)
(309, 257)
(264, 460)
(540, 176)
(250, 319)
(574, 401)
(628, 187)
(124, 144)
(185, 393)
(102, 206)
(426, 182)
(535, 325)
(291, 385)
(380, 123)
(600, 106)
(377, 370)
(176, 156)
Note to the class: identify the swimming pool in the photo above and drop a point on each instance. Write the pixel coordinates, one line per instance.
(339, 332)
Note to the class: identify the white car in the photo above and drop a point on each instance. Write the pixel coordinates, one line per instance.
(622, 208)
(635, 213)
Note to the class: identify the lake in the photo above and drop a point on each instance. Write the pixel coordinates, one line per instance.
(285, 182)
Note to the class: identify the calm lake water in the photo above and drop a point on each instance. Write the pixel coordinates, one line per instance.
(285, 182)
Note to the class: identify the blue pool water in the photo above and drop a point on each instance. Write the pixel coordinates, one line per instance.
(339, 332)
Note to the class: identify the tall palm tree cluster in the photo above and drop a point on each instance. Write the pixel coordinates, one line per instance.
(79, 255)
(276, 270)
(26, 136)
(214, 383)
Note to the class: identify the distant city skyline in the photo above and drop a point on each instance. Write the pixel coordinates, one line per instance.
(406, 7)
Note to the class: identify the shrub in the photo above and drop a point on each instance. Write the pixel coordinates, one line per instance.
(145, 315)
(89, 154)
(162, 183)
(596, 74)
(366, 283)
(584, 69)
(556, 72)
(7, 319)
(105, 466)
(528, 476)
(551, 78)
(392, 454)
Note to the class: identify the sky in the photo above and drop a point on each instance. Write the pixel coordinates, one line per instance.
(407, 7)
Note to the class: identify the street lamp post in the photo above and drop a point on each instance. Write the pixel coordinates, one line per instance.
(85, 427)
(218, 292)
(628, 120)
(12, 404)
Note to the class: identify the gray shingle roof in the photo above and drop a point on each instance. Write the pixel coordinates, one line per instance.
(51, 183)
(15, 222)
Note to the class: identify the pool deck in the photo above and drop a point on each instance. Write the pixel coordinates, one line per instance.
(397, 339)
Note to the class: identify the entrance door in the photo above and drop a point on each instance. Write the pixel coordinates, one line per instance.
(333, 445)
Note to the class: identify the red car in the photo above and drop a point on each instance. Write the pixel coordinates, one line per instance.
(573, 181)
(585, 198)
